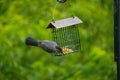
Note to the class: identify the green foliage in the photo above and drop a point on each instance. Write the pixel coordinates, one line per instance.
(22, 18)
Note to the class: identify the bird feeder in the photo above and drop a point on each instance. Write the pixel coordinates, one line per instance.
(66, 33)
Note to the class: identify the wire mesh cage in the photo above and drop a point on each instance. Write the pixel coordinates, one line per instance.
(66, 33)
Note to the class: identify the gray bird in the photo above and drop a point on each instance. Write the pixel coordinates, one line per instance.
(48, 46)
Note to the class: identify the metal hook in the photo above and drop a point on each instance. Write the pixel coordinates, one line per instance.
(61, 1)
(53, 20)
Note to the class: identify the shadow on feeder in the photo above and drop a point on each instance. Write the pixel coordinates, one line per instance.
(66, 33)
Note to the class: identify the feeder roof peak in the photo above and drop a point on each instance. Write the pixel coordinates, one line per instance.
(65, 22)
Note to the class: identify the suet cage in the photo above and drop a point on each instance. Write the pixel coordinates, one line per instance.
(66, 33)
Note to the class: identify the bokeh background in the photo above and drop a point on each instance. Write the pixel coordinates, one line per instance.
(20, 19)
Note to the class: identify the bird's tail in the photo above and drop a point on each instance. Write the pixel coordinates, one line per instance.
(31, 42)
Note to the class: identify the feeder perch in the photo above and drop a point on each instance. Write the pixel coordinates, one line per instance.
(66, 33)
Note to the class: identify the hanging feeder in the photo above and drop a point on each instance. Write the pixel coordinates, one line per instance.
(66, 33)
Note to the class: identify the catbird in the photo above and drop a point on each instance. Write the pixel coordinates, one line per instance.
(48, 46)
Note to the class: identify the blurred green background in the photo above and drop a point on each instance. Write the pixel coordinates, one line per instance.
(22, 18)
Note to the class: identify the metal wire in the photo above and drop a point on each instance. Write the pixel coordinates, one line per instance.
(53, 18)
(67, 37)
(56, 6)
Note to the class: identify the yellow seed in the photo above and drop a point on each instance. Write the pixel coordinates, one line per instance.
(66, 50)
